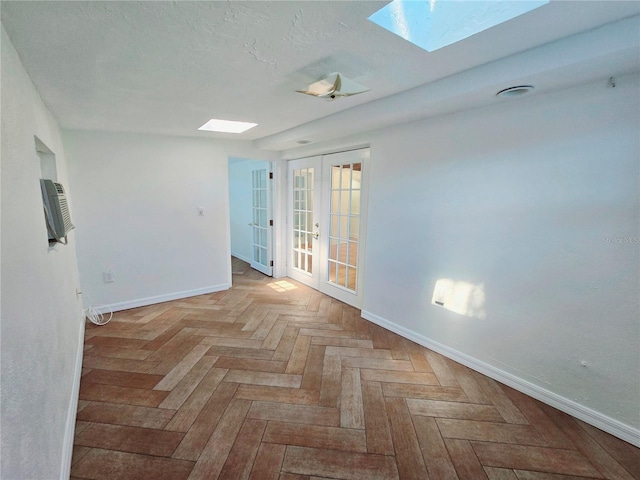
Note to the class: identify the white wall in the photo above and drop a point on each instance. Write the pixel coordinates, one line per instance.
(535, 201)
(42, 321)
(137, 199)
(241, 205)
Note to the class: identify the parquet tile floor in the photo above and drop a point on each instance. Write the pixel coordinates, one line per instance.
(273, 380)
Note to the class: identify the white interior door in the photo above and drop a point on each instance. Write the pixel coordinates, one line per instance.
(327, 223)
(304, 220)
(261, 225)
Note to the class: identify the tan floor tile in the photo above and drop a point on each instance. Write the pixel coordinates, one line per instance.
(434, 451)
(237, 352)
(182, 368)
(336, 464)
(119, 414)
(500, 473)
(123, 379)
(251, 364)
(188, 384)
(408, 455)
(119, 364)
(425, 392)
(331, 381)
(378, 431)
(464, 460)
(378, 363)
(268, 462)
(566, 462)
(470, 411)
(264, 378)
(109, 465)
(445, 376)
(117, 394)
(205, 423)
(316, 436)
(191, 408)
(489, 432)
(399, 377)
(278, 394)
(298, 358)
(295, 413)
(287, 342)
(351, 408)
(215, 453)
(130, 439)
(118, 352)
(241, 458)
(343, 342)
(312, 376)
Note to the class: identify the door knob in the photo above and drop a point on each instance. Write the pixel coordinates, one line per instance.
(251, 224)
(316, 235)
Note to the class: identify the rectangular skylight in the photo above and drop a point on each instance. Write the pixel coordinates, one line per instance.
(226, 126)
(433, 24)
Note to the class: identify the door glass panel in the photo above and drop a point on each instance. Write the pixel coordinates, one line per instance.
(351, 278)
(354, 230)
(335, 201)
(355, 202)
(260, 222)
(334, 223)
(344, 227)
(346, 177)
(303, 218)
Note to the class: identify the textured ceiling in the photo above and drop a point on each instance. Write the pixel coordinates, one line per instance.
(167, 67)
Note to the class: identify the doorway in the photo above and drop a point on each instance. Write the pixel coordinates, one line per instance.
(327, 223)
(250, 200)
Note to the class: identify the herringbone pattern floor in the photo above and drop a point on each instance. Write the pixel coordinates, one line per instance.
(273, 380)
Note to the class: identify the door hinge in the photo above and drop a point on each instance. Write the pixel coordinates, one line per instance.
(271, 223)
(271, 263)
(270, 175)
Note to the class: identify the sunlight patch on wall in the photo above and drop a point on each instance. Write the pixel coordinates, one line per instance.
(460, 297)
(433, 24)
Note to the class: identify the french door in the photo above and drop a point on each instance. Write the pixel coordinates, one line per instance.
(260, 226)
(326, 223)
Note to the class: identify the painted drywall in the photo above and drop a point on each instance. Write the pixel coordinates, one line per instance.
(535, 202)
(42, 321)
(241, 207)
(136, 199)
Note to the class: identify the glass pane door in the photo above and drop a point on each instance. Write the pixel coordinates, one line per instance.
(342, 247)
(326, 223)
(260, 192)
(344, 223)
(303, 220)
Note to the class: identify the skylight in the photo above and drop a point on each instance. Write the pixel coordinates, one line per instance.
(433, 24)
(226, 126)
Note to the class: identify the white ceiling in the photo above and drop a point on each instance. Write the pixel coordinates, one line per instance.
(168, 67)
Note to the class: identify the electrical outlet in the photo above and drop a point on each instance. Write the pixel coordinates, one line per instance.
(108, 277)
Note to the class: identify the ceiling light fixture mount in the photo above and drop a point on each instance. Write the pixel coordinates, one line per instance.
(334, 86)
(515, 91)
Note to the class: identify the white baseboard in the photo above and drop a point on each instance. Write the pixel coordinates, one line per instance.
(143, 302)
(72, 411)
(241, 257)
(592, 417)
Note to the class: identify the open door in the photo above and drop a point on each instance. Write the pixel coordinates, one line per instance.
(262, 224)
